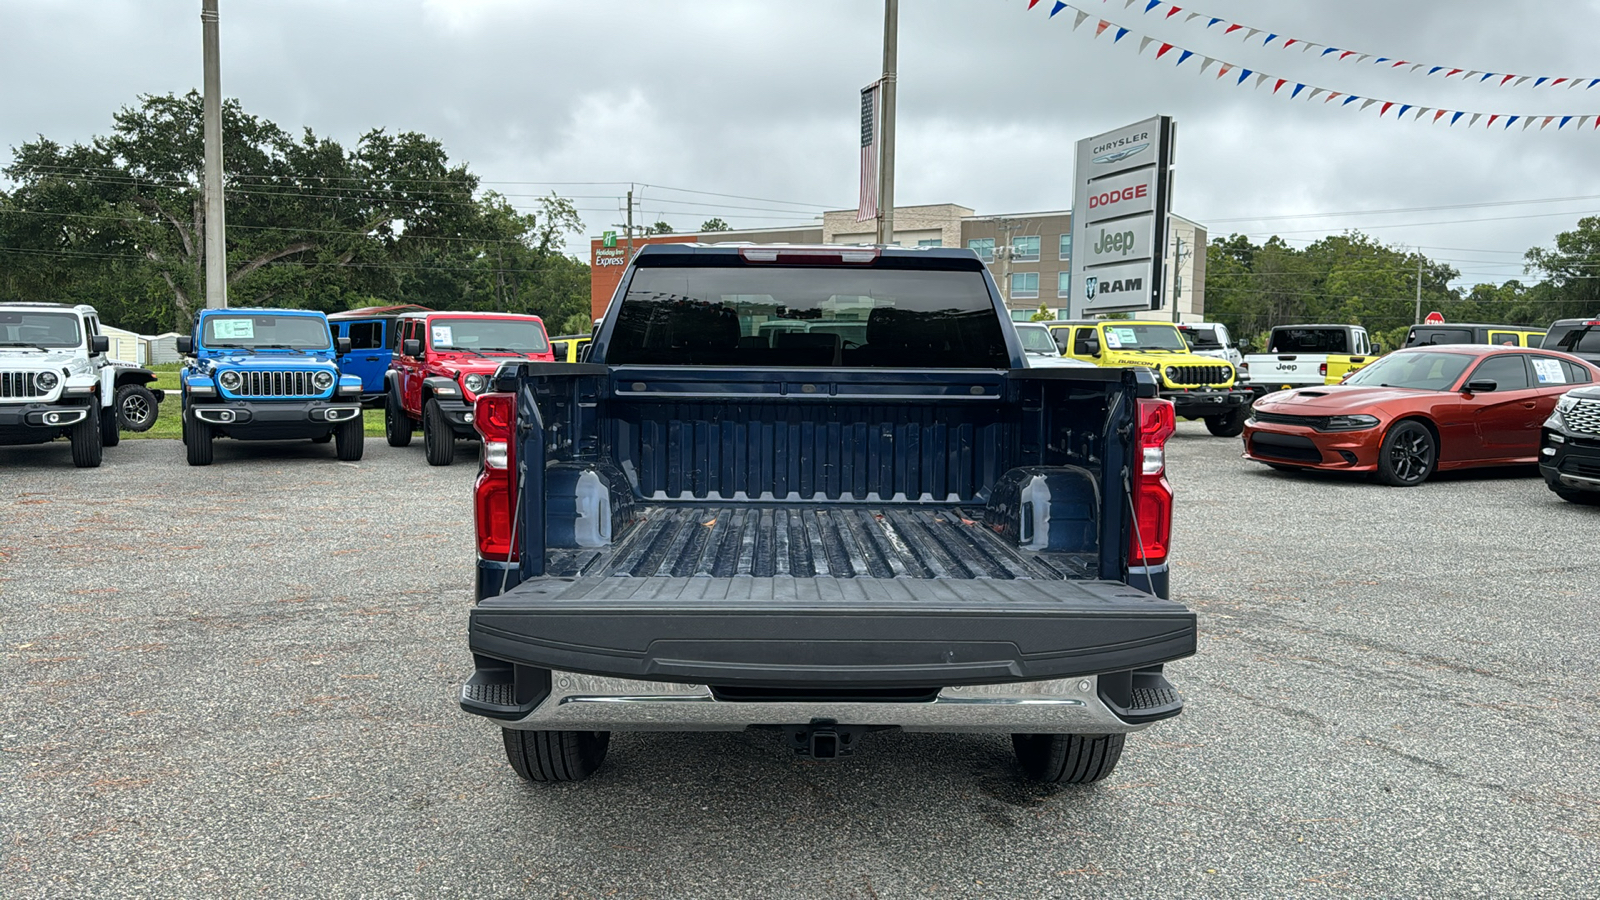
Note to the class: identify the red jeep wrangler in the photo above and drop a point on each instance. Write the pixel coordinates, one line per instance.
(442, 360)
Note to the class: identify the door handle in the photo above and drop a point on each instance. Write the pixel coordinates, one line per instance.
(1530, 406)
(372, 359)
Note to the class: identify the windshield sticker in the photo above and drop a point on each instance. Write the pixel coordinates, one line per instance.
(1112, 341)
(234, 329)
(1126, 336)
(442, 336)
(1549, 371)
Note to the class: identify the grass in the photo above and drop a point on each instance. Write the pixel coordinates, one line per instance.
(169, 423)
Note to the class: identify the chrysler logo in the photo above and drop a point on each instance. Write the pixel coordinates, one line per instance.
(1120, 155)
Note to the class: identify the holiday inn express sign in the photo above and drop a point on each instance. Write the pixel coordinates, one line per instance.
(1121, 197)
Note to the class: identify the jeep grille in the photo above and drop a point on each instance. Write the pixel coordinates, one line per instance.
(276, 384)
(18, 385)
(1583, 417)
(1191, 376)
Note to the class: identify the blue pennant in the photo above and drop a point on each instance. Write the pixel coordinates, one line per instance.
(1349, 100)
(1270, 39)
(1153, 4)
(1243, 75)
(1059, 7)
(1296, 92)
(1121, 33)
(1542, 80)
(1330, 50)
(1186, 55)
(1455, 117)
(1564, 121)
(1212, 22)
(1511, 119)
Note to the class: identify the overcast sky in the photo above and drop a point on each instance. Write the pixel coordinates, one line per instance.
(759, 98)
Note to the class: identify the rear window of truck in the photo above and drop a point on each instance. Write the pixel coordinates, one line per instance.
(1559, 337)
(808, 316)
(1309, 340)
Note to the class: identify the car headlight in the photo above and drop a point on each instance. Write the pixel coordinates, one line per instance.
(1351, 423)
(1172, 372)
(475, 383)
(322, 380)
(230, 380)
(46, 381)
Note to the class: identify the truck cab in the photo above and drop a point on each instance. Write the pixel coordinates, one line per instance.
(56, 379)
(1580, 337)
(1309, 355)
(1200, 387)
(442, 362)
(267, 375)
(372, 335)
(1428, 335)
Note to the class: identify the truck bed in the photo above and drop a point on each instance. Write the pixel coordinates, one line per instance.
(830, 541)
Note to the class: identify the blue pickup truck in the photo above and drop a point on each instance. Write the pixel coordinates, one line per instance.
(267, 375)
(888, 523)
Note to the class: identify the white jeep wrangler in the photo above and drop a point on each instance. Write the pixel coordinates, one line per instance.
(55, 379)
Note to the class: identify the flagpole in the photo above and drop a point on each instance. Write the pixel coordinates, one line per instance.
(891, 28)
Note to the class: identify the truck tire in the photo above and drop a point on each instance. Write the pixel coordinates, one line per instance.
(1408, 455)
(86, 437)
(555, 755)
(1067, 758)
(438, 438)
(197, 443)
(350, 439)
(397, 426)
(1229, 424)
(110, 434)
(137, 408)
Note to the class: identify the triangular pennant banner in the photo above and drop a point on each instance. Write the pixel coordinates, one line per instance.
(1101, 28)
(1184, 55)
(1368, 103)
(1121, 33)
(1261, 79)
(1057, 8)
(1475, 118)
(1314, 93)
(1252, 33)
(1205, 63)
(1079, 20)
(1145, 42)
(1152, 5)
(1163, 50)
(1174, 11)
(1226, 68)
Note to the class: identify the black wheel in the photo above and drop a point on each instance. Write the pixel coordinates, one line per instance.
(397, 426)
(110, 434)
(1582, 498)
(1067, 758)
(351, 439)
(1229, 424)
(137, 408)
(86, 439)
(197, 442)
(555, 755)
(438, 438)
(1408, 455)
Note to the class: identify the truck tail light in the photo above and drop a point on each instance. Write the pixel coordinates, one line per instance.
(1323, 370)
(1152, 494)
(494, 493)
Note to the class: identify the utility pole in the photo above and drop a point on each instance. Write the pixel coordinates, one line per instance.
(1002, 253)
(1419, 290)
(1178, 258)
(630, 226)
(891, 41)
(216, 248)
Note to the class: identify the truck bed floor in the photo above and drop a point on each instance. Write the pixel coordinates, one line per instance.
(811, 541)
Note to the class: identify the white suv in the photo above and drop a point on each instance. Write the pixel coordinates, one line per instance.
(55, 379)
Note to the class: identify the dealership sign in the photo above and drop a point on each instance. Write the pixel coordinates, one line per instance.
(1121, 198)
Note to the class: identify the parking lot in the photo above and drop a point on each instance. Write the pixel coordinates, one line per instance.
(241, 680)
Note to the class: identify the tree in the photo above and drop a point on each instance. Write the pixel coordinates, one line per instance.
(658, 228)
(1572, 272)
(715, 224)
(119, 222)
(1043, 315)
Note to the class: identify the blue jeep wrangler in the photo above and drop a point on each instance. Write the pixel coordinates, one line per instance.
(267, 375)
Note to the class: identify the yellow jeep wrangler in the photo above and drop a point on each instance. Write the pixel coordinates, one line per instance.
(1200, 387)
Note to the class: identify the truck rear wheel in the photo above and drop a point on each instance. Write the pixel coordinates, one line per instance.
(197, 443)
(1229, 424)
(438, 438)
(1067, 758)
(350, 439)
(555, 755)
(86, 439)
(397, 426)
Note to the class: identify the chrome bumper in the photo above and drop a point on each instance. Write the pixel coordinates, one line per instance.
(592, 703)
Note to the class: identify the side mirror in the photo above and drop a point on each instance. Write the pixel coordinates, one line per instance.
(99, 343)
(559, 350)
(1377, 349)
(1244, 346)
(411, 347)
(583, 351)
(1093, 347)
(1482, 386)
(341, 346)
(185, 345)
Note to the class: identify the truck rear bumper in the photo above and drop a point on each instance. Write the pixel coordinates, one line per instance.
(591, 703)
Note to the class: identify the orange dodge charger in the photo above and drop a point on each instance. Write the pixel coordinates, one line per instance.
(1415, 412)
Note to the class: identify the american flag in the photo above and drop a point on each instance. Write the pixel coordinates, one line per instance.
(869, 153)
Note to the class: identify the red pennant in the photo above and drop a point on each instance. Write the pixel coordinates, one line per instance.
(1101, 28)
(1281, 83)
(1232, 29)
(1439, 113)
(1331, 95)
(1557, 81)
(1290, 43)
(1491, 120)
(1346, 55)
(1163, 51)
(1174, 11)
(1226, 68)
(1385, 109)
(1032, 3)
(1399, 64)
(1506, 79)
(1451, 72)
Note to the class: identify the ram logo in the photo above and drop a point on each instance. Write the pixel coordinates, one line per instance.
(1091, 286)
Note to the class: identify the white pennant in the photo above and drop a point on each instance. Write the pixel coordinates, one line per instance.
(1315, 92)
(1520, 80)
(1526, 121)
(1416, 66)
(1573, 83)
(1190, 18)
(1205, 63)
(1253, 32)
(1081, 17)
(1128, 4)
(1307, 45)
(1475, 118)
(1470, 73)
(1420, 111)
(1368, 103)
(1261, 79)
(1145, 42)
(1363, 57)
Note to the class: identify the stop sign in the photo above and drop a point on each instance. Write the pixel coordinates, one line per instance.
(1434, 318)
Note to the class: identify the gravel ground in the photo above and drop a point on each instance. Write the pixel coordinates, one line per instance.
(240, 680)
